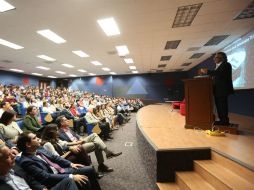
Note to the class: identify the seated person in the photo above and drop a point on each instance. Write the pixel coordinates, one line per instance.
(90, 143)
(12, 175)
(31, 121)
(8, 126)
(50, 169)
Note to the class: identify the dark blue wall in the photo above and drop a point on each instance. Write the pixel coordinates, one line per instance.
(241, 102)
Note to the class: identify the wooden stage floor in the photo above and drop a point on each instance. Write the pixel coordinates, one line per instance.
(164, 128)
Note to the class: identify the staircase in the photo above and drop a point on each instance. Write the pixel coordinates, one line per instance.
(218, 173)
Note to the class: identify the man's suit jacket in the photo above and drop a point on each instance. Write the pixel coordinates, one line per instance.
(33, 184)
(41, 170)
(222, 80)
(64, 137)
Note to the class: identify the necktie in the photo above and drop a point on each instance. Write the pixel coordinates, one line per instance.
(54, 165)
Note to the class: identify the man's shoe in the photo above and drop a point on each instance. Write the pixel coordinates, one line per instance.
(111, 155)
(99, 175)
(104, 168)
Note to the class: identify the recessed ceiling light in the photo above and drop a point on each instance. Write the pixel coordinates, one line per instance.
(52, 77)
(109, 26)
(17, 70)
(96, 63)
(4, 6)
(45, 57)
(71, 75)
(51, 36)
(80, 53)
(92, 74)
(128, 60)
(67, 65)
(134, 71)
(37, 74)
(10, 44)
(112, 73)
(132, 67)
(60, 72)
(105, 69)
(43, 68)
(122, 50)
(82, 70)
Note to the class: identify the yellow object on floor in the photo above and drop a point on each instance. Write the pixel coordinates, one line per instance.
(215, 133)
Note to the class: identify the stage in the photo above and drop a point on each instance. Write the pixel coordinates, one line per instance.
(167, 146)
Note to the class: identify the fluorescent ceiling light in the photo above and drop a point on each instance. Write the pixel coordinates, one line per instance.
(92, 74)
(37, 74)
(112, 73)
(134, 72)
(80, 53)
(67, 65)
(96, 63)
(60, 72)
(10, 45)
(45, 57)
(4, 6)
(132, 67)
(51, 36)
(17, 70)
(53, 77)
(128, 60)
(82, 70)
(122, 50)
(109, 26)
(43, 68)
(105, 69)
(71, 75)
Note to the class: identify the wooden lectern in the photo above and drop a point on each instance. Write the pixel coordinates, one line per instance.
(199, 103)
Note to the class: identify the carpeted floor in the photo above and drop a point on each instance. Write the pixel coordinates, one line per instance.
(129, 170)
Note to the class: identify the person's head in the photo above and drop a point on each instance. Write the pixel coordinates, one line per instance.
(28, 142)
(62, 121)
(49, 133)
(32, 110)
(5, 105)
(7, 159)
(220, 57)
(7, 117)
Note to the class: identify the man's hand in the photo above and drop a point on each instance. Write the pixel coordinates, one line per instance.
(76, 166)
(75, 149)
(80, 179)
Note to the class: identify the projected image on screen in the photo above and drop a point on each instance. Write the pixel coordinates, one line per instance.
(241, 56)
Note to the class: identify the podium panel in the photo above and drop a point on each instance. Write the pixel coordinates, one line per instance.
(199, 103)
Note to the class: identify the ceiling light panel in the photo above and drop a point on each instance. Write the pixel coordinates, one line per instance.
(72, 75)
(193, 48)
(216, 40)
(5, 6)
(60, 72)
(10, 44)
(51, 36)
(122, 50)
(128, 60)
(185, 15)
(109, 26)
(17, 70)
(134, 72)
(112, 73)
(196, 55)
(96, 63)
(172, 44)
(37, 74)
(105, 69)
(80, 53)
(248, 12)
(53, 77)
(186, 64)
(165, 58)
(43, 68)
(132, 67)
(67, 65)
(47, 58)
(92, 74)
(82, 70)
(162, 65)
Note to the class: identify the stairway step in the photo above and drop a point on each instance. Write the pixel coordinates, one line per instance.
(233, 166)
(168, 186)
(221, 177)
(192, 180)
